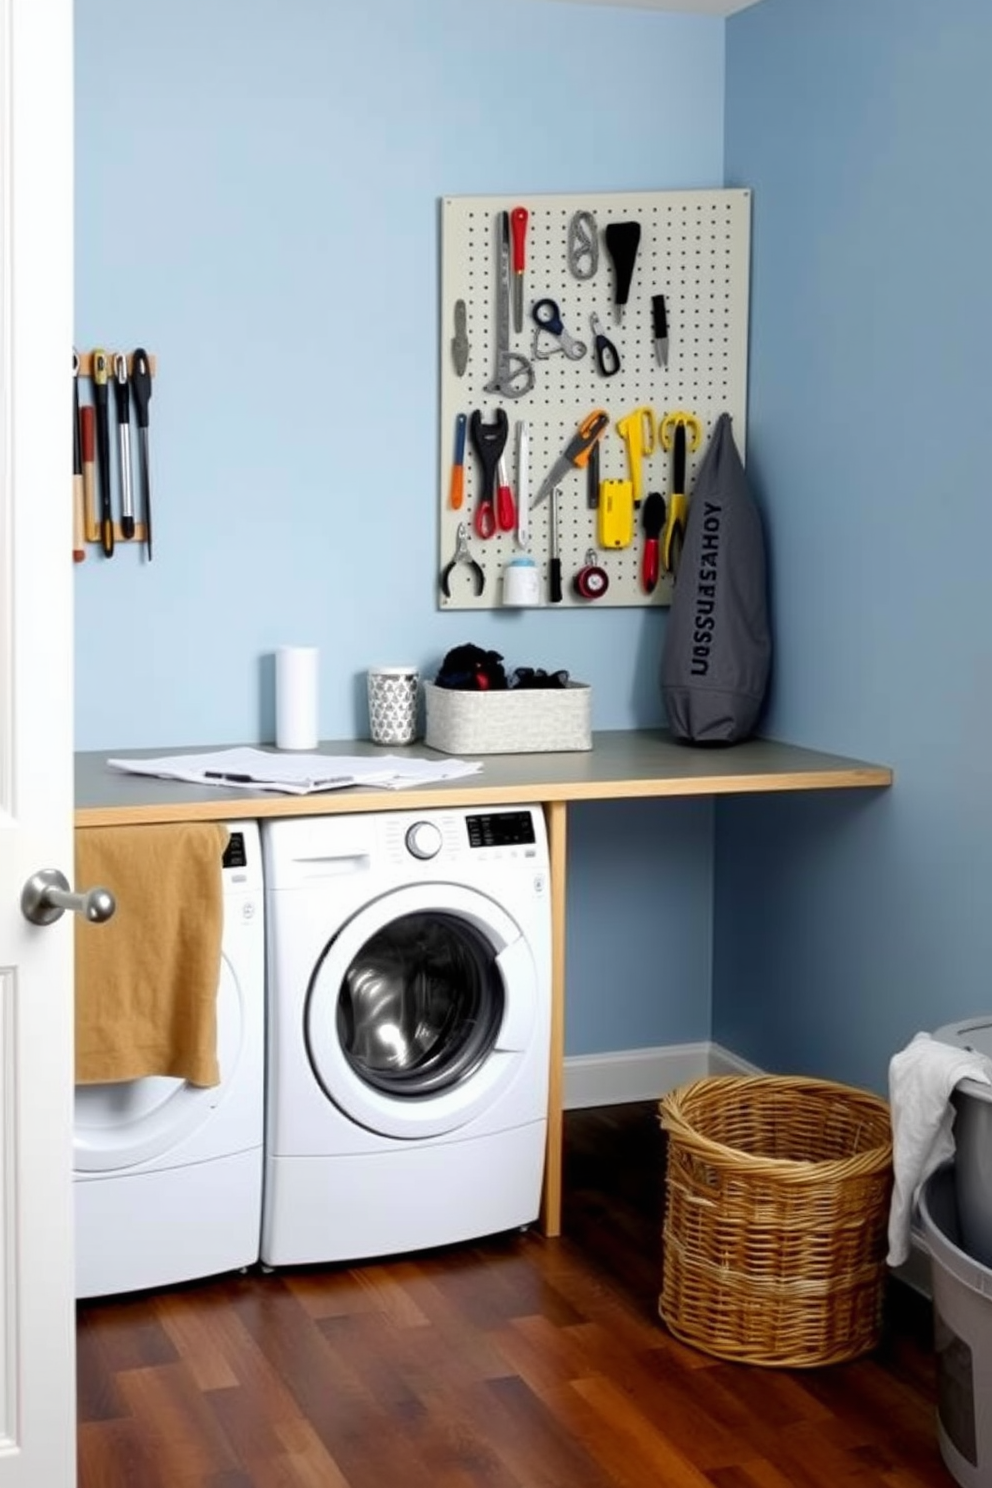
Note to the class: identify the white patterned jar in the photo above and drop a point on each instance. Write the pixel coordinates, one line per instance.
(393, 695)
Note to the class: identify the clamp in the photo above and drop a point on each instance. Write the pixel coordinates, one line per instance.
(463, 554)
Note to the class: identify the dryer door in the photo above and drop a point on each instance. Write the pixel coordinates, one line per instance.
(136, 1121)
(421, 1009)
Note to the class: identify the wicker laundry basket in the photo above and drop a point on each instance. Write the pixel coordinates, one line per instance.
(776, 1217)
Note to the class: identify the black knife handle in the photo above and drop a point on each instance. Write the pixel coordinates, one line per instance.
(622, 240)
(592, 478)
(678, 461)
(659, 317)
(141, 383)
(121, 393)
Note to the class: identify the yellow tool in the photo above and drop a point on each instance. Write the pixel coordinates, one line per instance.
(637, 431)
(616, 514)
(672, 433)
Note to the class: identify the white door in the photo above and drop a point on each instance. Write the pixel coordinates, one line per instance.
(37, 1365)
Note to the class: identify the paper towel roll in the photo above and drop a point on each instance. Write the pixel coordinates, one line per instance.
(296, 697)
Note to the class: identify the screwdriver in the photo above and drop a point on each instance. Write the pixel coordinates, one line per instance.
(141, 383)
(124, 444)
(456, 494)
(554, 557)
(100, 371)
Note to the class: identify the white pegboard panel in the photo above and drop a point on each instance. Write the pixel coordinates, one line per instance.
(694, 249)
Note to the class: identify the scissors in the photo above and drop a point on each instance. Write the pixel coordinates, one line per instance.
(547, 316)
(607, 356)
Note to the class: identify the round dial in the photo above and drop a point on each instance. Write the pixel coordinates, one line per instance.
(424, 839)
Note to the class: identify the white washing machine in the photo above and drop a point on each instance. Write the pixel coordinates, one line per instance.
(409, 986)
(168, 1176)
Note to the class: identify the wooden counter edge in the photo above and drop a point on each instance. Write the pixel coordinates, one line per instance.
(237, 804)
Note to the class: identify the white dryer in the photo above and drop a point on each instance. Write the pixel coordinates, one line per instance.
(409, 987)
(168, 1176)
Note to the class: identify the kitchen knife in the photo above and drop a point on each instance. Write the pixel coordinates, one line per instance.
(659, 321)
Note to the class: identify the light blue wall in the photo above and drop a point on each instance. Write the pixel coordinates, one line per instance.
(257, 204)
(258, 190)
(863, 127)
(640, 927)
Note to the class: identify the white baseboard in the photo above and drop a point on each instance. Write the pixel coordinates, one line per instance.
(644, 1074)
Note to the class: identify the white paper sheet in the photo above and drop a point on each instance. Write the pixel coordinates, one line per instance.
(296, 774)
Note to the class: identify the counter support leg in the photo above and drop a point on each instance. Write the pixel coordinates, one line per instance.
(556, 818)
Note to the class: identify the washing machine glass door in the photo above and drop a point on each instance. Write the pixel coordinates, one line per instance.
(136, 1121)
(420, 1009)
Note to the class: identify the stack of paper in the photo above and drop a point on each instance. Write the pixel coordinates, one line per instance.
(296, 774)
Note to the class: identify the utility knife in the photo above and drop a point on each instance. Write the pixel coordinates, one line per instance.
(577, 452)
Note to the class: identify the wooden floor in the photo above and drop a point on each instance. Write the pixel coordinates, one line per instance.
(517, 1362)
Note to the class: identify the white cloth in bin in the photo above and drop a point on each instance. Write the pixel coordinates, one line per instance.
(921, 1079)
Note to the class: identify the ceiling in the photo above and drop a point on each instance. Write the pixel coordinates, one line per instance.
(690, 7)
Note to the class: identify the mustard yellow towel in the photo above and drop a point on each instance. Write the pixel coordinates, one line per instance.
(146, 980)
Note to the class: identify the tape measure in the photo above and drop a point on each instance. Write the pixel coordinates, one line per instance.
(591, 581)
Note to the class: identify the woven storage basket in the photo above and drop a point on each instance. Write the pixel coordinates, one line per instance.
(514, 720)
(776, 1215)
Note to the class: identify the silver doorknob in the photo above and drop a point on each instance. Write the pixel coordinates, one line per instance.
(46, 896)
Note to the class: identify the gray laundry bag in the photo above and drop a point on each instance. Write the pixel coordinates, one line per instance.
(717, 650)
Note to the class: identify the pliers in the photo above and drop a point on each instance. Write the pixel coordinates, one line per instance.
(462, 555)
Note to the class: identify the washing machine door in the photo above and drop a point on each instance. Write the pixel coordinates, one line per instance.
(421, 1009)
(136, 1121)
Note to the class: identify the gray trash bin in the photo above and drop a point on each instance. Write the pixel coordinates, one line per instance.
(972, 1103)
(962, 1317)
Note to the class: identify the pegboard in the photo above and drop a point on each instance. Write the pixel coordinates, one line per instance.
(694, 249)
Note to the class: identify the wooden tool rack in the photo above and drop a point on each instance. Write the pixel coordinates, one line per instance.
(91, 521)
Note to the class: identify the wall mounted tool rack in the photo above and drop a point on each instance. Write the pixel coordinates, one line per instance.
(86, 519)
(694, 249)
